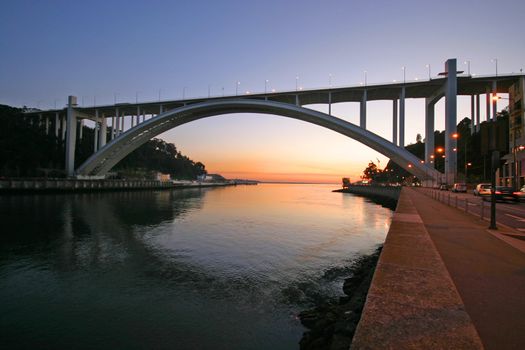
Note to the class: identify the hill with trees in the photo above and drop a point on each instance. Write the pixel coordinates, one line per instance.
(26, 151)
(473, 163)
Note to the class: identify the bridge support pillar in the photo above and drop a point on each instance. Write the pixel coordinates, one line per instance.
(95, 135)
(330, 103)
(362, 110)
(472, 114)
(429, 132)
(402, 118)
(63, 127)
(451, 121)
(394, 122)
(487, 101)
(103, 132)
(71, 135)
(478, 113)
(494, 100)
(80, 129)
(112, 134)
(57, 124)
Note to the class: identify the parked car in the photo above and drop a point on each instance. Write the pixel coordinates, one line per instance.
(459, 187)
(482, 189)
(503, 194)
(443, 187)
(521, 193)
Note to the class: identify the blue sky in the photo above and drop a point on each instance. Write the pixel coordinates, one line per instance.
(51, 49)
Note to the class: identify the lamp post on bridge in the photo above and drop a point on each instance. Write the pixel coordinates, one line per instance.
(428, 66)
(404, 74)
(266, 86)
(237, 87)
(495, 60)
(467, 62)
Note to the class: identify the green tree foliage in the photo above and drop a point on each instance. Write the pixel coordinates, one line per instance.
(469, 148)
(373, 173)
(26, 151)
(158, 155)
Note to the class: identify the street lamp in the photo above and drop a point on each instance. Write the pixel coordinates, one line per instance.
(266, 85)
(495, 60)
(330, 80)
(428, 66)
(296, 82)
(466, 170)
(237, 88)
(184, 92)
(404, 74)
(467, 62)
(365, 76)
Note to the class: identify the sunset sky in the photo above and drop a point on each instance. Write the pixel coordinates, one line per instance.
(52, 49)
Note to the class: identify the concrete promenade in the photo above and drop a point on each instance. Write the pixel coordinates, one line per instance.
(487, 267)
(444, 281)
(412, 302)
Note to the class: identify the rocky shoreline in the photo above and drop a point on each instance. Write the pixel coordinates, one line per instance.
(332, 324)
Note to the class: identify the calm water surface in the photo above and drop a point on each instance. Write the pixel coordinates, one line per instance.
(223, 268)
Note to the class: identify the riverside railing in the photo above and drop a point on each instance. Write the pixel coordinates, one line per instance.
(474, 206)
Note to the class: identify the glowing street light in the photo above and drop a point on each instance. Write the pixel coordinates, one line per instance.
(439, 150)
(455, 135)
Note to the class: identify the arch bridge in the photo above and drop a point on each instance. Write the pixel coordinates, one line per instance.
(149, 119)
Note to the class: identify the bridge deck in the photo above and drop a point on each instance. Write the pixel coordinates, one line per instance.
(467, 85)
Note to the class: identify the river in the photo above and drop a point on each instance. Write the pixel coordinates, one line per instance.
(217, 268)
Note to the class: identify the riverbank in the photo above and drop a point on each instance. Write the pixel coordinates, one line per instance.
(384, 195)
(332, 324)
(80, 185)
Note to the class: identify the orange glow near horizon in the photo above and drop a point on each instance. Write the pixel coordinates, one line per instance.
(273, 148)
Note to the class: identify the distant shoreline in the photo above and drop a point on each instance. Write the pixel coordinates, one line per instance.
(298, 183)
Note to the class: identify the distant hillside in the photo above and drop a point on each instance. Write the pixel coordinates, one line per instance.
(26, 151)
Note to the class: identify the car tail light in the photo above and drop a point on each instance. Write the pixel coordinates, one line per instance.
(515, 193)
(498, 192)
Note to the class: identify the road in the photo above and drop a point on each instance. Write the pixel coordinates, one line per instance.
(510, 214)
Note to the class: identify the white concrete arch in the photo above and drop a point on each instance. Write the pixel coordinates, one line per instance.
(108, 156)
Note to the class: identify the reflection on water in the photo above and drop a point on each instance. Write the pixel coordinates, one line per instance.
(217, 268)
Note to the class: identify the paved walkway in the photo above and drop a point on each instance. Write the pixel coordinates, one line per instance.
(488, 269)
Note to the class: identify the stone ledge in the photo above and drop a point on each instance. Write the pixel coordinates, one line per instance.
(412, 302)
